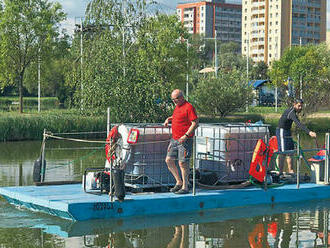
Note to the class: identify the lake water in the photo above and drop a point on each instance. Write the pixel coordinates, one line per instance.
(299, 225)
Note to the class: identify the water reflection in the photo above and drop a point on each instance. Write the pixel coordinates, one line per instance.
(280, 230)
(304, 225)
(66, 161)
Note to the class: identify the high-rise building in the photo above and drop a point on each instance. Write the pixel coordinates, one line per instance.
(205, 16)
(270, 26)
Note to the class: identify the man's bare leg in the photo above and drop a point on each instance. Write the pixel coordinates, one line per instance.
(173, 169)
(185, 174)
(289, 162)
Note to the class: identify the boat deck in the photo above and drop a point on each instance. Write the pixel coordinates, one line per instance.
(71, 202)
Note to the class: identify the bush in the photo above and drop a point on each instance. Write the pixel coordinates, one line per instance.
(223, 95)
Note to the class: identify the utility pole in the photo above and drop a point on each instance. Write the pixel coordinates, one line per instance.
(215, 54)
(301, 92)
(123, 44)
(276, 93)
(39, 90)
(247, 66)
(187, 83)
(81, 62)
(247, 58)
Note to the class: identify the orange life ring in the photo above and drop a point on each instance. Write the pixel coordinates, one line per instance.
(112, 138)
(257, 169)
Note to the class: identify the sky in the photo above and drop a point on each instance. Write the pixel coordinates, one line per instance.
(76, 9)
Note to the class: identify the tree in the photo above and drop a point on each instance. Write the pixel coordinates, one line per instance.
(131, 62)
(53, 70)
(222, 95)
(308, 67)
(26, 29)
(259, 71)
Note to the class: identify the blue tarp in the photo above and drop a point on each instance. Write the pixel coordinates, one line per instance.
(257, 83)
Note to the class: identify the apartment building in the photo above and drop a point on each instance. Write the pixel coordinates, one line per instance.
(270, 26)
(206, 17)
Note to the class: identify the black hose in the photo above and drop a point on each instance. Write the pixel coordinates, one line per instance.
(233, 186)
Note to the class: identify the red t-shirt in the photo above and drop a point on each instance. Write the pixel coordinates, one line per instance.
(181, 119)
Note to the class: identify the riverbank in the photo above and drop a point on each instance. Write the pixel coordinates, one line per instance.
(30, 126)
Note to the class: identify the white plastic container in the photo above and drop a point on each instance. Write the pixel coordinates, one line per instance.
(92, 183)
(227, 148)
(144, 161)
(317, 172)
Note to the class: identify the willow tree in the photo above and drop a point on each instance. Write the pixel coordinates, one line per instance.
(27, 30)
(131, 61)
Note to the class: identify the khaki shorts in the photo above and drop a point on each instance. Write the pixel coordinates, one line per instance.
(181, 152)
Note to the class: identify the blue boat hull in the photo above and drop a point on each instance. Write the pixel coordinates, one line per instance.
(71, 202)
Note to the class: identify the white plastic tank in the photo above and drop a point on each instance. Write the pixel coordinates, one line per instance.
(144, 155)
(227, 148)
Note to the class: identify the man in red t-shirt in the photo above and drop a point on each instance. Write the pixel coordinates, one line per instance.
(184, 122)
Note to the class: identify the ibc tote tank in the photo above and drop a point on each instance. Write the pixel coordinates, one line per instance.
(144, 161)
(227, 149)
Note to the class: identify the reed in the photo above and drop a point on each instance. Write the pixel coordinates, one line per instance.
(15, 127)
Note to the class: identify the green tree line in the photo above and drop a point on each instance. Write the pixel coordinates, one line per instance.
(129, 61)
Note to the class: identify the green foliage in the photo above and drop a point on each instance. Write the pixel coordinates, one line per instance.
(259, 71)
(310, 66)
(8, 103)
(230, 57)
(31, 126)
(223, 95)
(25, 28)
(131, 66)
(53, 69)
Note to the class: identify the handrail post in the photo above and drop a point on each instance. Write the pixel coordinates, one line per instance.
(108, 121)
(298, 160)
(43, 166)
(194, 166)
(326, 163)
